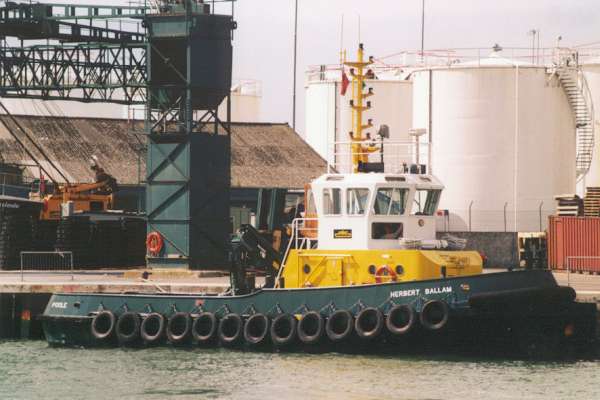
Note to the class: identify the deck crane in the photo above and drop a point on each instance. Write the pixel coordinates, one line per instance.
(85, 197)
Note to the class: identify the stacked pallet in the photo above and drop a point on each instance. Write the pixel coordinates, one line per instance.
(117, 243)
(44, 235)
(17, 227)
(135, 231)
(591, 203)
(73, 234)
(16, 232)
(569, 205)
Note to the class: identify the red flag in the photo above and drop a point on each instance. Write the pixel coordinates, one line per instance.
(345, 83)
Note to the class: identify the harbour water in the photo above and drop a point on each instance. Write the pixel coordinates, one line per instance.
(32, 370)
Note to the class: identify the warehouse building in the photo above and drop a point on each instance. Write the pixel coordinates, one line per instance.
(263, 156)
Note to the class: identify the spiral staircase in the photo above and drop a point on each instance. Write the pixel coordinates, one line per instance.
(580, 99)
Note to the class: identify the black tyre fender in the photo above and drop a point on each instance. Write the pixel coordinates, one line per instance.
(152, 329)
(339, 326)
(103, 325)
(311, 327)
(435, 315)
(128, 327)
(401, 319)
(231, 329)
(204, 328)
(283, 330)
(256, 329)
(368, 323)
(179, 328)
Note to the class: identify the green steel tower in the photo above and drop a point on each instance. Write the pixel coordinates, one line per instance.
(188, 178)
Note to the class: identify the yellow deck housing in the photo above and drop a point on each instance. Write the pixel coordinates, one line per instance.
(323, 268)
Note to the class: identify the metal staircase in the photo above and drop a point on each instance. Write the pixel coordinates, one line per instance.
(580, 100)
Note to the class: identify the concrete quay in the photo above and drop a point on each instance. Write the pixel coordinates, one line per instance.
(109, 281)
(23, 297)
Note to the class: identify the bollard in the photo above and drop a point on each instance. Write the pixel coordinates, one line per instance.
(25, 324)
(7, 316)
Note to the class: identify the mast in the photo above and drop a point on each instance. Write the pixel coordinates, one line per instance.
(360, 152)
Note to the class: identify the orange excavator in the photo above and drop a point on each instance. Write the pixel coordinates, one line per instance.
(83, 197)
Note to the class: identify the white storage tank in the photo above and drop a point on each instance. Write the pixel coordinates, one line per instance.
(329, 116)
(591, 71)
(246, 102)
(503, 142)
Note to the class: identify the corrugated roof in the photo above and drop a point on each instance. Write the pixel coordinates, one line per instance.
(263, 155)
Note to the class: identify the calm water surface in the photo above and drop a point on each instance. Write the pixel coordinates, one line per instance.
(32, 370)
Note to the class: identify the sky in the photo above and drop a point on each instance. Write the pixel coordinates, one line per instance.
(263, 47)
(263, 44)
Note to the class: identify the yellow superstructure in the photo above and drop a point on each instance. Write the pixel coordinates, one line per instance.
(321, 268)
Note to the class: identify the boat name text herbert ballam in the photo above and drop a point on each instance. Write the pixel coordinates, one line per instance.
(416, 292)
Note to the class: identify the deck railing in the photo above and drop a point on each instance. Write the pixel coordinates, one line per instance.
(581, 264)
(399, 65)
(396, 154)
(47, 261)
(304, 233)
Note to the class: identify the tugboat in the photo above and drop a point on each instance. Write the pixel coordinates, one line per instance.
(362, 271)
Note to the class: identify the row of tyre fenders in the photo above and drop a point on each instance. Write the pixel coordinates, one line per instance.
(131, 328)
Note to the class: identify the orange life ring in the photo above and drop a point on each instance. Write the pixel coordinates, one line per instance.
(385, 270)
(154, 243)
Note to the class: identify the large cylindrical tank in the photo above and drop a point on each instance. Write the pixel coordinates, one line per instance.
(329, 116)
(246, 102)
(503, 142)
(591, 72)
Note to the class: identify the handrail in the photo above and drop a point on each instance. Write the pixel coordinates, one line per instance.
(589, 102)
(569, 68)
(396, 153)
(293, 239)
(401, 62)
(568, 260)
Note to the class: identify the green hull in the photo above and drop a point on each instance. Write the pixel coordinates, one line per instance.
(504, 307)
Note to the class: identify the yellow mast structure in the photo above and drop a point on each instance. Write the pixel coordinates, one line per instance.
(360, 151)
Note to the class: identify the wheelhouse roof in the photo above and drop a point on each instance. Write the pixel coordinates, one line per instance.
(420, 181)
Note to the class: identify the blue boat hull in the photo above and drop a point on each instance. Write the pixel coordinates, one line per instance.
(520, 314)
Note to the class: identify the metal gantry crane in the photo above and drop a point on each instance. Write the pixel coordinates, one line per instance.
(174, 58)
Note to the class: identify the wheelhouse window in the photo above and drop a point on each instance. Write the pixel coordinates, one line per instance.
(332, 201)
(390, 201)
(357, 201)
(387, 230)
(426, 201)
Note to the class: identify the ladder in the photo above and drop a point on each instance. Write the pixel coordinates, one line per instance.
(580, 99)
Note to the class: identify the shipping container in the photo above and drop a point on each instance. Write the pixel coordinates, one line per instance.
(574, 242)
